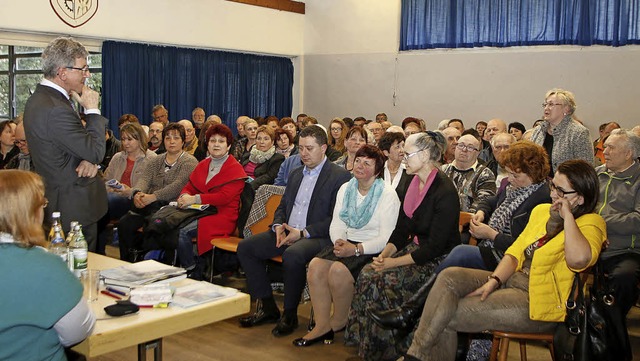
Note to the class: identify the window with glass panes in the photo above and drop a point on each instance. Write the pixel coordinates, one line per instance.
(21, 71)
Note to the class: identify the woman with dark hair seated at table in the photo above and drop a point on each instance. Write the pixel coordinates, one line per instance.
(528, 290)
(425, 232)
(217, 181)
(360, 228)
(506, 215)
(160, 183)
(42, 310)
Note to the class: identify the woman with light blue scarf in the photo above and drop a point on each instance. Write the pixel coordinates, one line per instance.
(364, 217)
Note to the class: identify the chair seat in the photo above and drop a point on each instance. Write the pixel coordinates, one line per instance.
(524, 336)
(226, 243)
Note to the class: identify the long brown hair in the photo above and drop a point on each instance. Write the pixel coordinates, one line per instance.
(22, 195)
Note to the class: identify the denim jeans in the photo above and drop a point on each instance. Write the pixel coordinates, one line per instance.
(447, 311)
(186, 256)
(463, 255)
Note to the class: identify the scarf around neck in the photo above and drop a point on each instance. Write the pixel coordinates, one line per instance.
(357, 216)
(258, 157)
(500, 220)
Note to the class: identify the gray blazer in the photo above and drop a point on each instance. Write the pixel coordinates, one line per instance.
(57, 143)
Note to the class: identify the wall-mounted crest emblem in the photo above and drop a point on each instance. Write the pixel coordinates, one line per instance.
(74, 13)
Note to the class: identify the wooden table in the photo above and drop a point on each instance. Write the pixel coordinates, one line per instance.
(147, 328)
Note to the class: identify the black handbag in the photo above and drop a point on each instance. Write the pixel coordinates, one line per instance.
(594, 328)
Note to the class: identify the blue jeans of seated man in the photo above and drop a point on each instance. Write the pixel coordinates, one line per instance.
(186, 256)
(463, 255)
(119, 205)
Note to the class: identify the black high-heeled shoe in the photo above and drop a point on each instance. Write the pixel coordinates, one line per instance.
(327, 339)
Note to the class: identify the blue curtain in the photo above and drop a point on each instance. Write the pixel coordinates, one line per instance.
(428, 24)
(135, 77)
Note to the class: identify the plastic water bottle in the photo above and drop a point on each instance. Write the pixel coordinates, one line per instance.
(80, 250)
(55, 221)
(72, 233)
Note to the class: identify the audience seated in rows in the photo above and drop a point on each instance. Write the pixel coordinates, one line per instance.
(560, 239)
(498, 221)
(160, 183)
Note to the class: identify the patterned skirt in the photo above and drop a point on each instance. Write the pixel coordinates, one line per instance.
(383, 291)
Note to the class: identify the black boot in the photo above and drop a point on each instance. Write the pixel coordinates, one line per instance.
(406, 315)
(463, 346)
(266, 312)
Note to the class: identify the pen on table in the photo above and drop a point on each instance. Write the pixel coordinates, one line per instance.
(110, 294)
(117, 292)
(159, 305)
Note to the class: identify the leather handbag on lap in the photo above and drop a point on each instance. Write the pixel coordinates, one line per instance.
(594, 328)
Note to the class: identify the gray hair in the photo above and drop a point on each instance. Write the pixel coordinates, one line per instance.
(632, 141)
(158, 107)
(432, 142)
(61, 52)
(501, 135)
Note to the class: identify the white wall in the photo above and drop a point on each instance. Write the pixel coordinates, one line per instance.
(212, 24)
(352, 67)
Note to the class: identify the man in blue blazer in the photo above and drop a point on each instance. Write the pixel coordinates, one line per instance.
(65, 153)
(300, 229)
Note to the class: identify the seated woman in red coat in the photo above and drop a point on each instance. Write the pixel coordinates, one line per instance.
(217, 181)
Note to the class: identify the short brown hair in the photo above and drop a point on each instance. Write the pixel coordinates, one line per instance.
(529, 158)
(127, 118)
(372, 152)
(268, 131)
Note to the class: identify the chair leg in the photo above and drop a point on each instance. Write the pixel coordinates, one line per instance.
(312, 321)
(523, 350)
(495, 346)
(211, 274)
(504, 349)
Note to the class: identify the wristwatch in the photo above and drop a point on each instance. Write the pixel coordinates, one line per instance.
(357, 254)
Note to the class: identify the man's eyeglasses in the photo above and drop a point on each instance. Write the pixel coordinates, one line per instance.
(84, 70)
(559, 191)
(466, 147)
(550, 105)
(20, 141)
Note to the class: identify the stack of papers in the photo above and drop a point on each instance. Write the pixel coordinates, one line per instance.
(200, 292)
(142, 273)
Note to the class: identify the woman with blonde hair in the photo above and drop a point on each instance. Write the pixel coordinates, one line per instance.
(33, 327)
(561, 133)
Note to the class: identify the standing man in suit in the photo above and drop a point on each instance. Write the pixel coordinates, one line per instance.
(65, 153)
(299, 231)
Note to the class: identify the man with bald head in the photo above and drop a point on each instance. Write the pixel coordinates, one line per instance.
(494, 126)
(21, 160)
(474, 181)
(499, 143)
(190, 140)
(451, 134)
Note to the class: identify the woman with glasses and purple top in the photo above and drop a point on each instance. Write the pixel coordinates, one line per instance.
(425, 232)
(561, 134)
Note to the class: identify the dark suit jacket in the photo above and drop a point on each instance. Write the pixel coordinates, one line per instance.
(57, 143)
(434, 222)
(323, 198)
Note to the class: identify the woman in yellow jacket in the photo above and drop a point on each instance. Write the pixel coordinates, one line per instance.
(528, 289)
